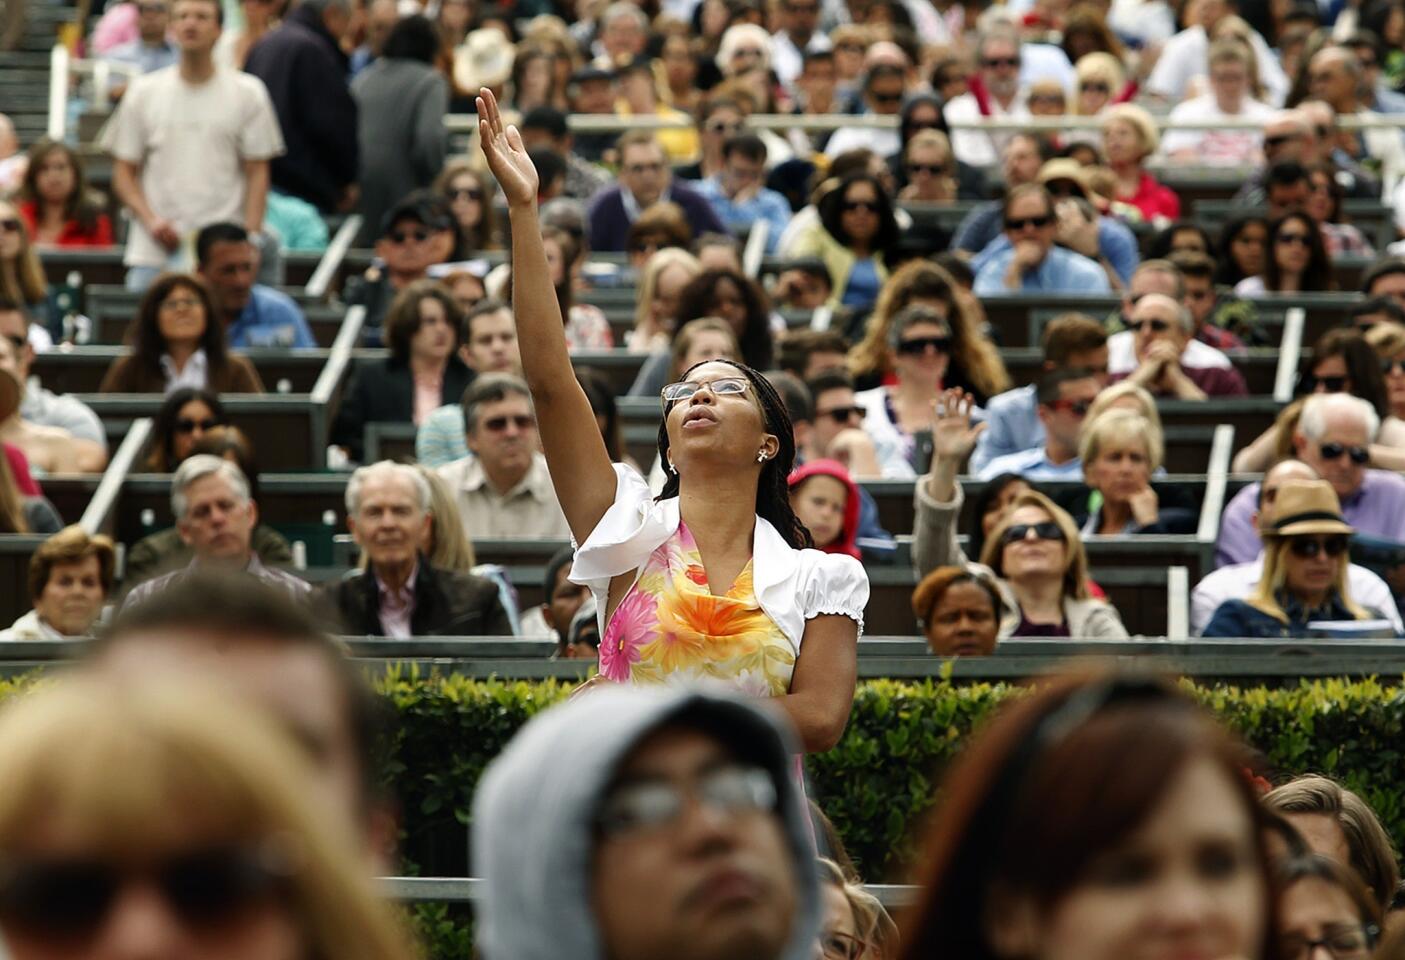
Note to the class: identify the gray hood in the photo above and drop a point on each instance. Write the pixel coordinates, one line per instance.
(532, 815)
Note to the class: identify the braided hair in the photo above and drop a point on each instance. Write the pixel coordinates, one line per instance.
(772, 489)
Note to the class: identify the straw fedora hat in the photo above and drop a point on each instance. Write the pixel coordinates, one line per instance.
(1307, 506)
(484, 59)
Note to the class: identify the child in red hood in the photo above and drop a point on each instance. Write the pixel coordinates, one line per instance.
(827, 502)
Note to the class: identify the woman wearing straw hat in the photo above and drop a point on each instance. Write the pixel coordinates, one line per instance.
(1305, 562)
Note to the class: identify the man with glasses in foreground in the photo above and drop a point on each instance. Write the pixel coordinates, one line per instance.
(1064, 397)
(1237, 581)
(502, 487)
(1033, 263)
(635, 824)
(1333, 437)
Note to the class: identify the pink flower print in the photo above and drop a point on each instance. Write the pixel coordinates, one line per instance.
(634, 623)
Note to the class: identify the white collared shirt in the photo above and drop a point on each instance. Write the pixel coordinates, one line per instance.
(792, 586)
(195, 373)
(1122, 354)
(1237, 581)
(529, 509)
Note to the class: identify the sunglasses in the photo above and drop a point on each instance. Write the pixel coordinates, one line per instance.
(842, 414)
(10, 225)
(1021, 223)
(886, 97)
(935, 169)
(69, 899)
(919, 345)
(1047, 530)
(1156, 326)
(995, 62)
(1079, 408)
(405, 236)
(1297, 239)
(1332, 384)
(870, 205)
(1333, 451)
(1278, 139)
(721, 387)
(521, 421)
(187, 425)
(1387, 366)
(468, 193)
(1311, 547)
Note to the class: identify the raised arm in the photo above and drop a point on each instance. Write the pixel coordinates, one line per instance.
(575, 451)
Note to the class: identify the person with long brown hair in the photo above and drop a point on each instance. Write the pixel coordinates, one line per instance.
(21, 274)
(56, 204)
(1100, 817)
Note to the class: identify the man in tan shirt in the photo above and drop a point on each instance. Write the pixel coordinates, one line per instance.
(502, 487)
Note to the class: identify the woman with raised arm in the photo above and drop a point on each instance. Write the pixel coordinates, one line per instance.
(712, 579)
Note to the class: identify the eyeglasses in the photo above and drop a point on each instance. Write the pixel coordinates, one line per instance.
(1312, 546)
(70, 899)
(1331, 384)
(920, 345)
(1021, 223)
(638, 168)
(842, 414)
(935, 169)
(1094, 86)
(521, 421)
(1344, 943)
(731, 790)
(1333, 451)
(1156, 326)
(996, 62)
(721, 387)
(180, 303)
(885, 97)
(405, 236)
(468, 193)
(1387, 366)
(187, 425)
(10, 225)
(870, 205)
(1079, 408)
(841, 946)
(1047, 530)
(1298, 239)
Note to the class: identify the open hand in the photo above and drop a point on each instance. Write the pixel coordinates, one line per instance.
(506, 154)
(953, 437)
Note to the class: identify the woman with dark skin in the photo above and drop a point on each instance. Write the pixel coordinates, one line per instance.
(728, 446)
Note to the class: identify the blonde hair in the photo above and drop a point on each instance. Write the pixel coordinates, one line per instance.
(1100, 66)
(1275, 577)
(921, 279)
(649, 282)
(127, 770)
(1139, 119)
(1108, 397)
(875, 928)
(450, 546)
(1235, 31)
(1386, 338)
(683, 341)
(1119, 427)
(1075, 558)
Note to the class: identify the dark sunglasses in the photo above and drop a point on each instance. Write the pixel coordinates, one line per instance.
(1278, 139)
(1312, 546)
(521, 421)
(1332, 451)
(1042, 220)
(1047, 530)
(843, 414)
(919, 345)
(11, 225)
(1079, 408)
(870, 205)
(403, 236)
(469, 193)
(1392, 366)
(187, 425)
(1297, 239)
(993, 62)
(1157, 326)
(886, 97)
(935, 169)
(1333, 384)
(70, 899)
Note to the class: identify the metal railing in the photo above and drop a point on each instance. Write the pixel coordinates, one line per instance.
(340, 358)
(1289, 348)
(332, 258)
(62, 65)
(96, 516)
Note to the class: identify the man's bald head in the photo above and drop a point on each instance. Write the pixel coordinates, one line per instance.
(1277, 474)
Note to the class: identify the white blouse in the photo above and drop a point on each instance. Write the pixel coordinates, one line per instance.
(792, 586)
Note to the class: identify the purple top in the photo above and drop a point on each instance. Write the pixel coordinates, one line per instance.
(1027, 629)
(1215, 381)
(1377, 509)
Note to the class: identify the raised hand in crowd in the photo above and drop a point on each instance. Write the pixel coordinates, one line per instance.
(953, 439)
(1160, 373)
(506, 154)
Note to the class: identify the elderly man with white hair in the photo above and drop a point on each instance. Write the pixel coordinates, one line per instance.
(215, 517)
(1333, 437)
(1163, 329)
(399, 594)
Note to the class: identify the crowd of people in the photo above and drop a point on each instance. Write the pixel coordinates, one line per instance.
(1034, 150)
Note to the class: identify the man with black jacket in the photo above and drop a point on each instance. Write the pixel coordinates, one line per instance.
(305, 71)
(399, 594)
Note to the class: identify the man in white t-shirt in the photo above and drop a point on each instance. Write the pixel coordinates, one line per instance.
(999, 62)
(1184, 58)
(1228, 99)
(190, 145)
(1157, 276)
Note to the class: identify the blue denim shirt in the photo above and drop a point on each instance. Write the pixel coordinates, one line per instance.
(1237, 618)
(766, 205)
(270, 319)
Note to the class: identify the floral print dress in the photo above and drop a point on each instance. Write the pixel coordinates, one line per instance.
(671, 628)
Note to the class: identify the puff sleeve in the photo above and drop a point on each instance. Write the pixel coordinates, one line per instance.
(835, 584)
